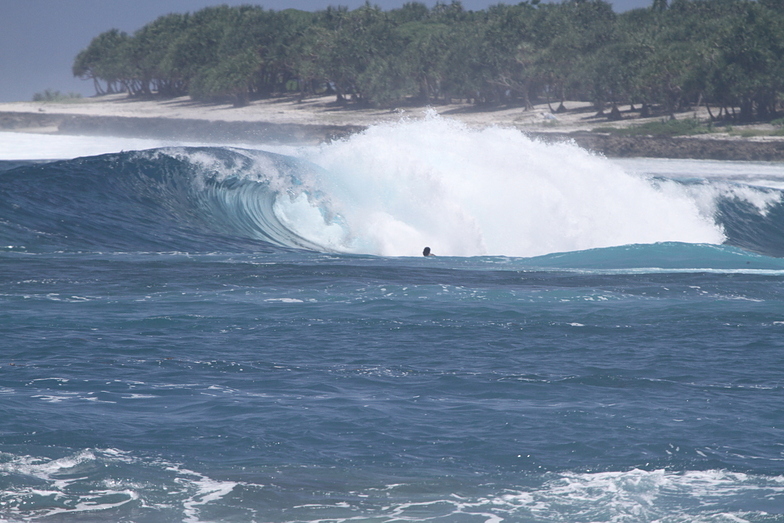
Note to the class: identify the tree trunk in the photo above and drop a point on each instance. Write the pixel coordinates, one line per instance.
(548, 102)
(709, 111)
(746, 110)
(615, 113)
(98, 90)
(526, 98)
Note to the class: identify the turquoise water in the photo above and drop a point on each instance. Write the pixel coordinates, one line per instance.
(220, 334)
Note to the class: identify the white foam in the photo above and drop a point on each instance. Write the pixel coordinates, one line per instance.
(202, 490)
(464, 192)
(613, 497)
(639, 495)
(42, 468)
(56, 486)
(299, 214)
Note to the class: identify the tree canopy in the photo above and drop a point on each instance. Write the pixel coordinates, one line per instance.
(725, 53)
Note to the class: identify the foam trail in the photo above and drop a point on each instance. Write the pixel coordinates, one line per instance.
(463, 192)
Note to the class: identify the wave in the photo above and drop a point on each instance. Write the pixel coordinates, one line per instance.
(102, 484)
(177, 199)
(388, 191)
(666, 257)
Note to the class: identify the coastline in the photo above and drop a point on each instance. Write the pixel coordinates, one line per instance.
(316, 120)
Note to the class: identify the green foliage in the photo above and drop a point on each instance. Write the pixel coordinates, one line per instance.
(726, 54)
(684, 127)
(56, 96)
(750, 133)
(104, 59)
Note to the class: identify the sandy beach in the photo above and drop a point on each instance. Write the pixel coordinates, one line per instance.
(310, 111)
(313, 120)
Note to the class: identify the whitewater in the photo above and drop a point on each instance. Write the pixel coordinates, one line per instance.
(204, 332)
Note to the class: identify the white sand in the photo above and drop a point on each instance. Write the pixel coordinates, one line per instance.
(323, 111)
(318, 111)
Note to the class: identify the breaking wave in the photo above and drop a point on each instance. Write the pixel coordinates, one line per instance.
(388, 191)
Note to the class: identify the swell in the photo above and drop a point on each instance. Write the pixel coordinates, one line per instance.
(214, 199)
(184, 199)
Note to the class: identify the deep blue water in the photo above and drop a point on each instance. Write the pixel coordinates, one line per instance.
(174, 350)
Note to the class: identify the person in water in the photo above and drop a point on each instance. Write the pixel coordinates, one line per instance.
(427, 252)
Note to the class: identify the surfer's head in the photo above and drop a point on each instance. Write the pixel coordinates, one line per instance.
(426, 252)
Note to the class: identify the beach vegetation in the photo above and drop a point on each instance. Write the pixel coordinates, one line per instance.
(50, 95)
(105, 62)
(664, 127)
(725, 55)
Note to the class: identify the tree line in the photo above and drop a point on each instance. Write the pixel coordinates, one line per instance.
(725, 54)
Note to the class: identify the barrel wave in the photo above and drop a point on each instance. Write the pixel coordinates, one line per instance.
(388, 191)
(198, 199)
(221, 334)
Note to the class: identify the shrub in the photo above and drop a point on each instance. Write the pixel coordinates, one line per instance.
(685, 127)
(55, 96)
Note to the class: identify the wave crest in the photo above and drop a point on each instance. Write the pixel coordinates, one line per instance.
(388, 191)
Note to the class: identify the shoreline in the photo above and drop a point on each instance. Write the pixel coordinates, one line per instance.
(318, 120)
(218, 131)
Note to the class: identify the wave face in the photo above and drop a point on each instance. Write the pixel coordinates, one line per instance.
(177, 199)
(388, 191)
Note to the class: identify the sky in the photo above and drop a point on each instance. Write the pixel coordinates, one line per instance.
(39, 39)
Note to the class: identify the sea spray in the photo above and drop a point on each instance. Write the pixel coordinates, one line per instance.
(465, 192)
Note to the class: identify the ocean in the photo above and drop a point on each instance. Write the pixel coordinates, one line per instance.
(212, 333)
